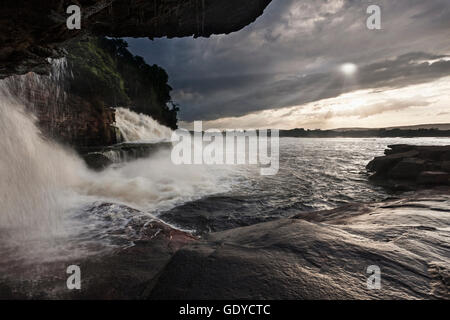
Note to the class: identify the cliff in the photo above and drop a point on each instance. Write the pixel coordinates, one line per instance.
(103, 75)
(75, 104)
(104, 70)
(31, 32)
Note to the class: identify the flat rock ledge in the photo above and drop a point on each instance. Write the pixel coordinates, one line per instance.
(409, 167)
(321, 255)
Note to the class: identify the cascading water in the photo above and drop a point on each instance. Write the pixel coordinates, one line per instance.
(140, 127)
(34, 172)
(46, 191)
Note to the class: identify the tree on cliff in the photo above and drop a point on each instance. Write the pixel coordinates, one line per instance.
(104, 69)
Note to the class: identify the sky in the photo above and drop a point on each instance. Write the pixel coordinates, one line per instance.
(314, 64)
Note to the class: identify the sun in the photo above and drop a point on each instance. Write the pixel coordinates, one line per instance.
(348, 69)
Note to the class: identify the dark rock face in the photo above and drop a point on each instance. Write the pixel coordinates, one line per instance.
(32, 32)
(431, 178)
(63, 116)
(82, 123)
(407, 166)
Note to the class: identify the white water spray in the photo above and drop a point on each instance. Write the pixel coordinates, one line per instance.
(34, 173)
(140, 127)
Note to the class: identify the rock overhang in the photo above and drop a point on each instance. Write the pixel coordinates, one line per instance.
(31, 32)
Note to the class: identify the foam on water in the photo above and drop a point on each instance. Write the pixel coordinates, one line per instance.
(140, 127)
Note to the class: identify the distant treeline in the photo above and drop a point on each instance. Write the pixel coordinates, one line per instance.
(369, 133)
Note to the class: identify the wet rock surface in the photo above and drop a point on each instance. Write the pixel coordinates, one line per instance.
(319, 255)
(322, 255)
(214, 213)
(143, 247)
(408, 167)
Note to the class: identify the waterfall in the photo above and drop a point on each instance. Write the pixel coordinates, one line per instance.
(45, 187)
(32, 88)
(140, 127)
(34, 171)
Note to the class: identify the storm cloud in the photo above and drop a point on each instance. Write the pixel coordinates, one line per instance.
(291, 56)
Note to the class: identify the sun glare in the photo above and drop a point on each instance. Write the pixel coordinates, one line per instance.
(349, 69)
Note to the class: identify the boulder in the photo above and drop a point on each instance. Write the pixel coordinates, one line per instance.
(382, 165)
(97, 161)
(408, 167)
(398, 148)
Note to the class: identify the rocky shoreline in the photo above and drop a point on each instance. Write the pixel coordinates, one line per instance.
(408, 167)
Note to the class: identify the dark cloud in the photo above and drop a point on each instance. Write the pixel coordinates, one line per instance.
(291, 54)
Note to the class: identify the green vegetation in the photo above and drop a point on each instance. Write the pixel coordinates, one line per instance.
(103, 69)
